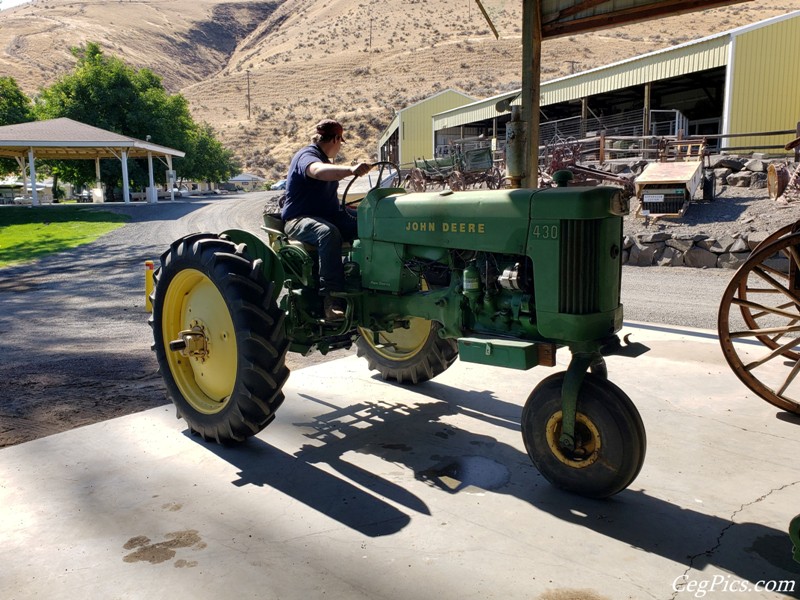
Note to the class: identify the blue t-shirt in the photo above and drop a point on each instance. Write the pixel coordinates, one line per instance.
(306, 196)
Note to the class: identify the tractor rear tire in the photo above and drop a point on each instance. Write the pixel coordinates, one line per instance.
(610, 435)
(230, 389)
(410, 355)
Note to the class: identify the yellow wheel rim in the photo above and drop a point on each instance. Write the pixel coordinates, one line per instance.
(192, 301)
(588, 444)
(400, 344)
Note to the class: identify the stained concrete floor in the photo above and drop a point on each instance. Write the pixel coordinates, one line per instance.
(363, 489)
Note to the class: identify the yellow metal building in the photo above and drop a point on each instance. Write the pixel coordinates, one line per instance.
(410, 135)
(764, 78)
(739, 81)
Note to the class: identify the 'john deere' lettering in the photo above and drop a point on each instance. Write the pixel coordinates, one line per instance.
(420, 226)
(457, 227)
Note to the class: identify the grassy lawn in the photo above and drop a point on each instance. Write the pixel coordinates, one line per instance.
(28, 233)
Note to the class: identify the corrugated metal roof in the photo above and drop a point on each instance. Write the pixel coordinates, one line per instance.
(413, 124)
(680, 60)
(696, 55)
(689, 57)
(396, 120)
(470, 113)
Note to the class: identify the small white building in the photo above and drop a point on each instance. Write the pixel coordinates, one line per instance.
(247, 181)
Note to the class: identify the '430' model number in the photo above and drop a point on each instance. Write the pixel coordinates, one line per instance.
(545, 232)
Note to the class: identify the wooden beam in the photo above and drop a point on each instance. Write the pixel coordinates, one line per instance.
(666, 8)
(531, 84)
(572, 10)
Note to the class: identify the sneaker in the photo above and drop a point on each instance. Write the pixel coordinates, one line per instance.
(335, 308)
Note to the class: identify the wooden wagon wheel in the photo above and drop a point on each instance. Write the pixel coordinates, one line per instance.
(785, 230)
(456, 181)
(759, 341)
(418, 181)
(750, 320)
(494, 180)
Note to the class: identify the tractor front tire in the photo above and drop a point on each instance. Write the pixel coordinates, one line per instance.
(610, 437)
(228, 385)
(407, 355)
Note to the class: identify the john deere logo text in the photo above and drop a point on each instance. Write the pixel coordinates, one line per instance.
(446, 227)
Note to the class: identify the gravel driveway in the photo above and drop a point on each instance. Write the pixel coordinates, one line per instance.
(76, 344)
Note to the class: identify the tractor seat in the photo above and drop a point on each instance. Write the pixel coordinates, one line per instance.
(273, 222)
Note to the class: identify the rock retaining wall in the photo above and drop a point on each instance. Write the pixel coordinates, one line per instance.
(700, 250)
(687, 250)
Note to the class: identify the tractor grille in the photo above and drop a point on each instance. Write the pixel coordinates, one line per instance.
(579, 285)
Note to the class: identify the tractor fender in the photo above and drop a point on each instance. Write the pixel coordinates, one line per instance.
(257, 249)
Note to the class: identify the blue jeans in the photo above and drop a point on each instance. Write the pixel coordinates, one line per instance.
(327, 236)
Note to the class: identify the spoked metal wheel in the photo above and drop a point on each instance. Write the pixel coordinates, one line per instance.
(494, 181)
(760, 339)
(410, 354)
(610, 437)
(456, 181)
(418, 180)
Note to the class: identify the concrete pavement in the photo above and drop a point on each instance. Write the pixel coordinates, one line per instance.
(363, 489)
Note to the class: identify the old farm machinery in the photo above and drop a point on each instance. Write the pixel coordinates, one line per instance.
(759, 319)
(759, 316)
(496, 277)
(462, 169)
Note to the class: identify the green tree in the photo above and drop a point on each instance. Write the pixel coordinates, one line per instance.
(206, 158)
(105, 92)
(15, 107)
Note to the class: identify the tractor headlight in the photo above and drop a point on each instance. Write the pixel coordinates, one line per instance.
(619, 206)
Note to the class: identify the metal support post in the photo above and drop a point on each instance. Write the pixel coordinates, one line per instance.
(576, 372)
(531, 81)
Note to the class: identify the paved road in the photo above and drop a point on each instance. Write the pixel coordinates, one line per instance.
(673, 296)
(678, 296)
(76, 344)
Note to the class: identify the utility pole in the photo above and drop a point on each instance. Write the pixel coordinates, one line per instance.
(248, 94)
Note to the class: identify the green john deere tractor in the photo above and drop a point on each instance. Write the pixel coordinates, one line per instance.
(497, 277)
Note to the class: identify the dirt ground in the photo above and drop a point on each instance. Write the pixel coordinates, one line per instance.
(75, 338)
(735, 211)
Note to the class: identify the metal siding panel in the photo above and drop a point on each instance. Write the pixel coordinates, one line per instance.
(765, 94)
(470, 114)
(390, 129)
(652, 67)
(416, 139)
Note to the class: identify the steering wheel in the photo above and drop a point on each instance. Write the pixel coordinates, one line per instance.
(388, 174)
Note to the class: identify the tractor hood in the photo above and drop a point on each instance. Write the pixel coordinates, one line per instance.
(482, 220)
(487, 220)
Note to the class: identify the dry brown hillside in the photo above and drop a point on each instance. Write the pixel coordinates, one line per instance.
(355, 60)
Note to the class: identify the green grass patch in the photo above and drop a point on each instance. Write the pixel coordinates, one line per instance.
(28, 233)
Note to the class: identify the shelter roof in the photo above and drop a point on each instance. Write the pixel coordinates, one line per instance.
(652, 66)
(66, 139)
(245, 177)
(566, 17)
